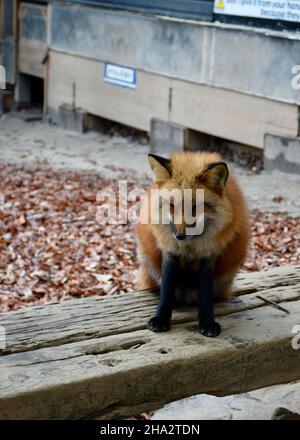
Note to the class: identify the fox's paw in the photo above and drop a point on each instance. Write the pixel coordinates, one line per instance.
(157, 324)
(211, 329)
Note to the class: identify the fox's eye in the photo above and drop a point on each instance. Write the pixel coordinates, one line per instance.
(208, 205)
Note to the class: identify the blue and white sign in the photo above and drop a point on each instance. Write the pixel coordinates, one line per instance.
(120, 75)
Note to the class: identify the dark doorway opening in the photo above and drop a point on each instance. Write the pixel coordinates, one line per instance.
(31, 92)
(36, 91)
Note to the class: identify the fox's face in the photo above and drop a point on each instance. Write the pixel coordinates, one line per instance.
(192, 193)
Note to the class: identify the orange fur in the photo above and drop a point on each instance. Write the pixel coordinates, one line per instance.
(225, 240)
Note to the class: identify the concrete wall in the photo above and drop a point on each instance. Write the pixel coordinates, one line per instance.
(222, 80)
(32, 39)
(255, 62)
(8, 43)
(223, 113)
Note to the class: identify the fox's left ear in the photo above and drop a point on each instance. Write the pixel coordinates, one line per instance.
(160, 167)
(215, 176)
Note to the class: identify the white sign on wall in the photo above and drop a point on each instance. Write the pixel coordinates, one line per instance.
(120, 75)
(287, 10)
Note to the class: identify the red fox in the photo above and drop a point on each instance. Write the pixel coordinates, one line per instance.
(197, 268)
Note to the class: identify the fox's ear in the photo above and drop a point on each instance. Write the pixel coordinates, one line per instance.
(160, 167)
(215, 176)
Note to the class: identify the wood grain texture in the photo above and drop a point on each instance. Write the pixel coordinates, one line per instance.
(93, 358)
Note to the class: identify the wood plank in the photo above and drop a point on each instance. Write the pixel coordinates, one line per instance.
(116, 375)
(228, 114)
(231, 115)
(127, 106)
(93, 358)
(79, 319)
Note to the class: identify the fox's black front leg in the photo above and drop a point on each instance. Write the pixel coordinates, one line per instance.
(206, 321)
(161, 321)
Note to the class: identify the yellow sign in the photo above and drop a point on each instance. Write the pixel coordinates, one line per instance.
(287, 10)
(220, 4)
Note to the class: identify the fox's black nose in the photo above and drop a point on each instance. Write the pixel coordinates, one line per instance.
(180, 235)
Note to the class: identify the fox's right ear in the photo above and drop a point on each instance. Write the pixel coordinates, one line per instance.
(215, 176)
(160, 167)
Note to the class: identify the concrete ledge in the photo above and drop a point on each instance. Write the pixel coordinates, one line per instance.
(72, 119)
(282, 153)
(222, 113)
(198, 52)
(166, 137)
(6, 101)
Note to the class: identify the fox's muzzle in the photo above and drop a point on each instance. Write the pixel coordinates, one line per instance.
(180, 235)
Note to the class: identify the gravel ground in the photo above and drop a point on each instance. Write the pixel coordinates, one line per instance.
(122, 157)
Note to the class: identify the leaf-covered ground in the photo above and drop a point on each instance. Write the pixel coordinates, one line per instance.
(52, 247)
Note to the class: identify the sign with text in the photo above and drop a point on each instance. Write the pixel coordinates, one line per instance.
(120, 75)
(287, 10)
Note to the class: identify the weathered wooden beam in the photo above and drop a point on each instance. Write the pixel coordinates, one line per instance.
(199, 107)
(93, 358)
